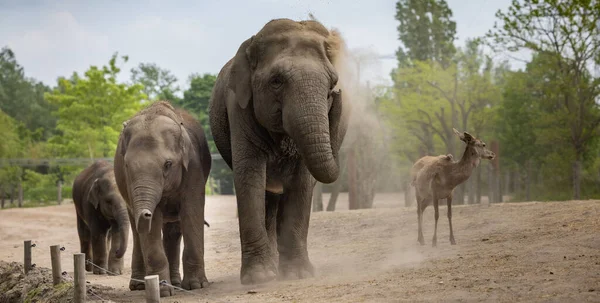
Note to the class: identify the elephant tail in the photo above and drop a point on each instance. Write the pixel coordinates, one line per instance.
(206, 223)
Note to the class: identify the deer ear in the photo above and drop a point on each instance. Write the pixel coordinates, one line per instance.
(467, 137)
(460, 136)
(92, 196)
(240, 74)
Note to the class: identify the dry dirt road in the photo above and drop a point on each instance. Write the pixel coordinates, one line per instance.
(525, 252)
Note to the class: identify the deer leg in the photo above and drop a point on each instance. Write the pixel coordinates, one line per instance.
(420, 221)
(436, 216)
(449, 200)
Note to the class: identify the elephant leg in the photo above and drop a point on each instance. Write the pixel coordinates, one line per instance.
(250, 183)
(272, 203)
(85, 242)
(99, 251)
(292, 230)
(138, 268)
(171, 244)
(192, 227)
(115, 265)
(155, 258)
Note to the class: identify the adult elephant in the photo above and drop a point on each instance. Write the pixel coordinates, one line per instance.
(101, 215)
(161, 167)
(278, 120)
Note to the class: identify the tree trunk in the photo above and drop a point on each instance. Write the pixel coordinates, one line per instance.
(12, 194)
(506, 185)
(472, 189)
(20, 193)
(528, 182)
(407, 200)
(479, 185)
(490, 184)
(59, 192)
(2, 195)
(317, 203)
(353, 202)
(577, 178)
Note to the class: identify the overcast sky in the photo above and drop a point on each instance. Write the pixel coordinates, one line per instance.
(56, 38)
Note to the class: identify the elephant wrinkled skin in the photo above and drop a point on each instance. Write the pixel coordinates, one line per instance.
(278, 120)
(161, 167)
(101, 212)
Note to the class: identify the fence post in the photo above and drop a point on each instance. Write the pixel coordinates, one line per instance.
(27, 256)
(59, 193)
(79, 283)
(56, 268)
(152, 289)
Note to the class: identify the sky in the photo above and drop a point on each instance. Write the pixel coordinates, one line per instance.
(56, 38)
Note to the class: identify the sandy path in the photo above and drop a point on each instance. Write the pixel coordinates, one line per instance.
(540, 252)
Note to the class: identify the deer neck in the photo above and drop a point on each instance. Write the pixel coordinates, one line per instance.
(463, 169)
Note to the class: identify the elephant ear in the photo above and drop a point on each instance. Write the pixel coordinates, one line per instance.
(185, 143)
(92, 195)
(239, 76)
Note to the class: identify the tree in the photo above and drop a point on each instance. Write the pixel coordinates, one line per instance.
(426, 31)
(565, 32)
(22, 98)
(159, 83)
(196, 98)
(91, 110)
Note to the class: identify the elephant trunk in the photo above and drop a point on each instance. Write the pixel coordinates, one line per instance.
(123, 224)
(306, 121)
(145, 197)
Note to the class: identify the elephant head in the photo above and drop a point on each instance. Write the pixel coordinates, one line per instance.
(286, 74)
(156, 151)
(105, 197)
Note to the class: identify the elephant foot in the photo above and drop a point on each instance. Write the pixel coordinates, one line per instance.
(88, 266)
(296, 268)
(115, 270)
(257, 270)
(166, 291)
(194, 283)
(99, 271)
(176, 279)
(136, 285)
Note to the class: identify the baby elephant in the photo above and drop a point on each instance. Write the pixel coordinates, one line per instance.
(162, 165)
(100, 209)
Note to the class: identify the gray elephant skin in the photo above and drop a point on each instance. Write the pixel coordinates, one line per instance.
(162, 164)
(277, 119)
(101, 218)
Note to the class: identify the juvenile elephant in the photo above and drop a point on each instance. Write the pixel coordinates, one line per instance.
(161, 167)
(101, 210)
(278, 120)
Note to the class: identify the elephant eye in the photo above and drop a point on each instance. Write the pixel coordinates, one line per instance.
(168, 164)
(276, 81)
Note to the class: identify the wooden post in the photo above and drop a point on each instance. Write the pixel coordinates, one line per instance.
(152, 289)
(79, 283)
(56, 268)
(59, 192)
(27, 256)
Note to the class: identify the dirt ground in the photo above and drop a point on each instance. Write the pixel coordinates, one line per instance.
(526, 252)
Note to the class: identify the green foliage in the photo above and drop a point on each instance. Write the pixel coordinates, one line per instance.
(22, 98)
(426, 31)
(91, 110)
(158, 83)
(563, 36)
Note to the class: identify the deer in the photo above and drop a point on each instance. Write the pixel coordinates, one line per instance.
(435, 177)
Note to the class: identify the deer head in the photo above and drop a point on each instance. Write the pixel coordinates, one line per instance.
(476, 149)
